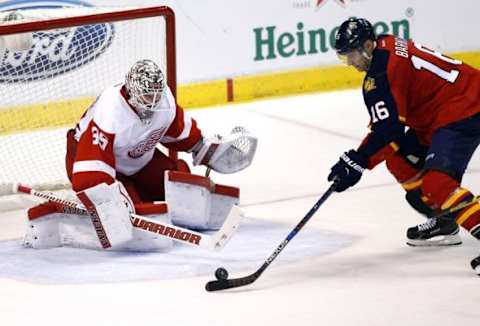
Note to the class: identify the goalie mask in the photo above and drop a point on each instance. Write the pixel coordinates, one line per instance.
(145, 84)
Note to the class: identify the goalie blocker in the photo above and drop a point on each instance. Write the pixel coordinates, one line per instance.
(192, 201)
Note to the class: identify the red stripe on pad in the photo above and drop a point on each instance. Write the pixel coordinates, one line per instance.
(41, 210)
(97, 223)
(24, 189)
(227, 191)
(151, 208)
(205, 182)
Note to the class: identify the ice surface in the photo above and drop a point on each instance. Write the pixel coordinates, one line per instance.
(254, 241)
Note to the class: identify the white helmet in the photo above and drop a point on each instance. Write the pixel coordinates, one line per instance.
(145, 84)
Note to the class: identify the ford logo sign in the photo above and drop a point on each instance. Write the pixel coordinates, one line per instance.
(55, 52)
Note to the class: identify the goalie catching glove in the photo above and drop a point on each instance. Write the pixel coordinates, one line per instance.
(226, 154)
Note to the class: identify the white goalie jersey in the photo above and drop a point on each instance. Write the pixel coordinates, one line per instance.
(112, 138)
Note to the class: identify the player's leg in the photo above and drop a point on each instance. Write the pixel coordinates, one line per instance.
(143, 186)
(410, 178)
(451, 150)
(406, 165)
(131, 188)
(408, 173)
(149, 181)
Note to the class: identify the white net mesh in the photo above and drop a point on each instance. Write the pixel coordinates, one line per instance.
(45, 89)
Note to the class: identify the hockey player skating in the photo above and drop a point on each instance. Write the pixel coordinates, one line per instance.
(116, 169)
(425, 124)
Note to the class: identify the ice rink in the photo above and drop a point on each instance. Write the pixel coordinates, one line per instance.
(348, 266)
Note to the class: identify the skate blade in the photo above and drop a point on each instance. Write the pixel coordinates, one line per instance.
(438, 241)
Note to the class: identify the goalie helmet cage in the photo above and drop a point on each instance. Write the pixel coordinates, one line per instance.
(45, 89)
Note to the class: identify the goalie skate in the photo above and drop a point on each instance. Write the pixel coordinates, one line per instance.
(434, 232)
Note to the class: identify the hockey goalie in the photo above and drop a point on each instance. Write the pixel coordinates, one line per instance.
(117, 171)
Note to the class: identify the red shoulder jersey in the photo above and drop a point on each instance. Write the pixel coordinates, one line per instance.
(410, 85)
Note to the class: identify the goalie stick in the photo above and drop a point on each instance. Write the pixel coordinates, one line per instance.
(215, 241)
(223, 284)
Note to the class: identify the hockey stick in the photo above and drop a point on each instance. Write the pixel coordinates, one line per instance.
(223, 284)
(215, 241)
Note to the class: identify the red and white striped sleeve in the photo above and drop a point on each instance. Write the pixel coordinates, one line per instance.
(183, 133)
(94, 160)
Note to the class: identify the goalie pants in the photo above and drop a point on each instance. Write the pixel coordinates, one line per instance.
(147, 185)
(437, 185)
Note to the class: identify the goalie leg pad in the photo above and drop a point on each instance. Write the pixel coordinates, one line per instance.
(143, 239)
(76, 231)
(109, 208)
(51, 226)
(196, 202)
(42, 230)
(222, 200)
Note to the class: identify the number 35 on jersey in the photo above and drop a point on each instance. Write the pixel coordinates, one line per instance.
(99, 138)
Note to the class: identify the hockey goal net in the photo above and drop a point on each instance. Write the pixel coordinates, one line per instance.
(69, 56)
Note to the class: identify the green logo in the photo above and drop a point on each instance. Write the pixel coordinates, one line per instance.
(270, 44)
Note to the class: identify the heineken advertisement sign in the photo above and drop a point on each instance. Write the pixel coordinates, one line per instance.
(272, 42)
(267, 36)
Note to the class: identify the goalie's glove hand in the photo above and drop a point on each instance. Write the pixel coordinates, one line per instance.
(204, 150)
(226, 154)
(348, 170)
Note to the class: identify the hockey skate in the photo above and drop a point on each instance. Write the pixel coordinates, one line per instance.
(434, 232)
(475, 263)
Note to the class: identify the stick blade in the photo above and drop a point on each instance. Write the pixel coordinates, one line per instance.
(218, 285)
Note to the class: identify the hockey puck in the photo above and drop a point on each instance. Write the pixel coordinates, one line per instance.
(221, 274)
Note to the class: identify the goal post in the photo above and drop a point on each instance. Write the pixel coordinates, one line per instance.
(53, 64)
